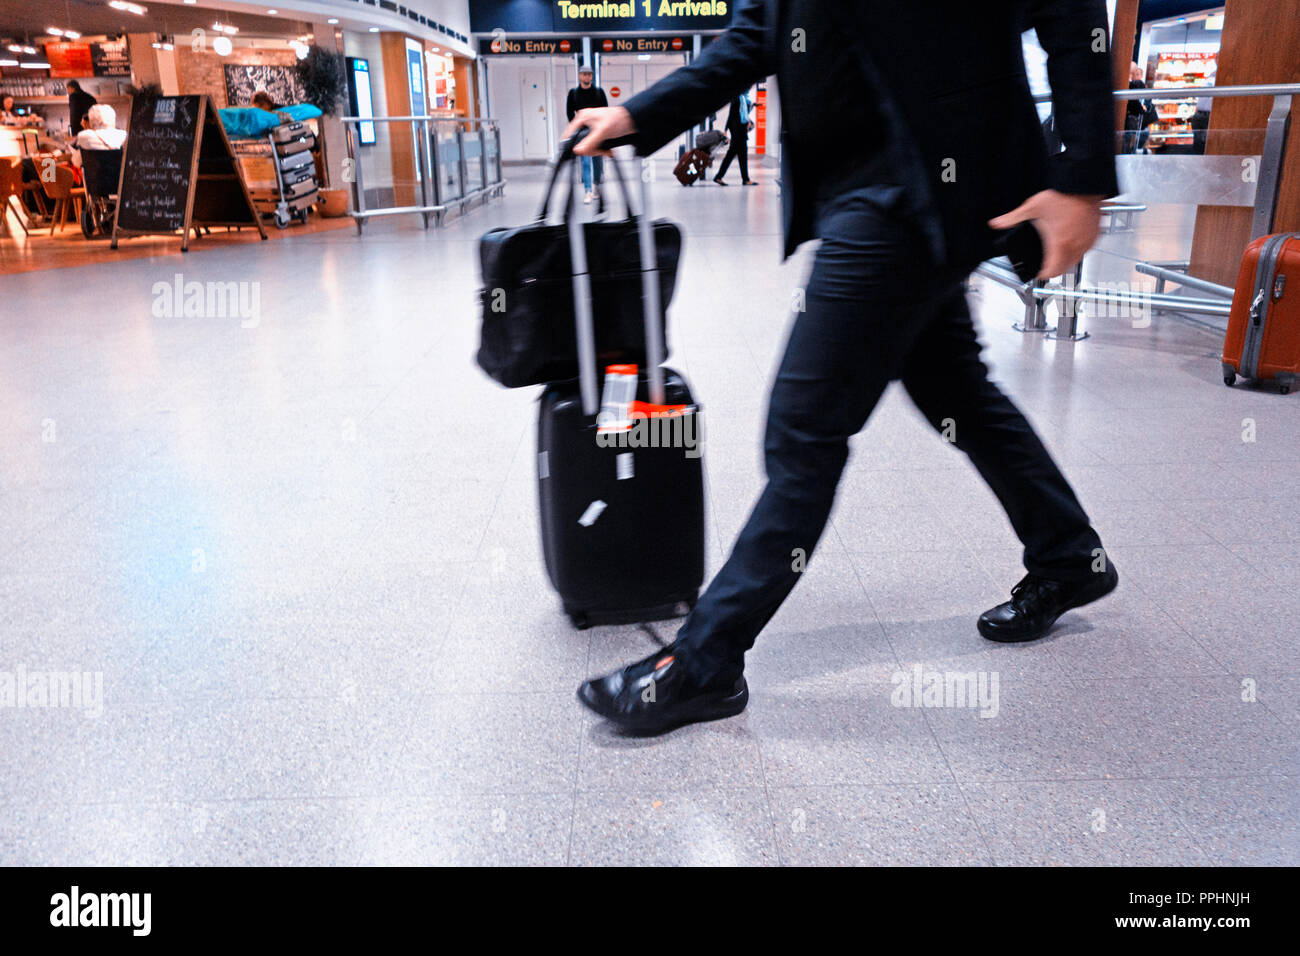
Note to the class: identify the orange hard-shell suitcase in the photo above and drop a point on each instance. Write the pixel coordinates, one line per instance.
(1263, 340)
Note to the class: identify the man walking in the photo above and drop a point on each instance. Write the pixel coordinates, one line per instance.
(738, 126)
(904, 210)
(586, 95)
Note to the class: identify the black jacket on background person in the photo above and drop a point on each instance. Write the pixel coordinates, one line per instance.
(79, 104)
(958, 128)
(734, 125)
(588, 99)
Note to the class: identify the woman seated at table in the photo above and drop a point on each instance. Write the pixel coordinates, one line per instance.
(101, 131)
(9, 116)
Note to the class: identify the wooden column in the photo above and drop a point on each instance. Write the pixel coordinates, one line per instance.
(1123, 34)
(1259, 45)
(397, 100)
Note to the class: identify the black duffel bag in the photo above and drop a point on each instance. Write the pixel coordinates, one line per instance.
(528, 335)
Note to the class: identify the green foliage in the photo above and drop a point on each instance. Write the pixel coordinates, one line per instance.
(323, 79)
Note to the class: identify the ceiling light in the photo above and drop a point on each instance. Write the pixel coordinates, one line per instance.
(15, 48)
(29, 50)
(332, 20)
(129, 7)
(54, 31)
(222, 46)
(374, 29)
(71, 35)
(272, 12)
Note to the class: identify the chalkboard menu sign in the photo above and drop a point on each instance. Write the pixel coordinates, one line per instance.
(178, 171)
(111, 58)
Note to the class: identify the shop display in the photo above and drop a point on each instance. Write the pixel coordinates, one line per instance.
(1177, 69)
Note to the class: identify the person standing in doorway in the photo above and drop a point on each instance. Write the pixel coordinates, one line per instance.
(587, 95)
(79, 104)
(739, 124)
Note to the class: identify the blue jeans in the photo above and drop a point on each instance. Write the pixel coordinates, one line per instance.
(587, 163)
(877, 310)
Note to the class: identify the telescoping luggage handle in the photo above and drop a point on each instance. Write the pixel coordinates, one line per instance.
(582, 311)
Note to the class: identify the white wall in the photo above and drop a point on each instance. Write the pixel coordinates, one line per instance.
(359, 17)
(376, 166)
(504, 76)
(503, 89)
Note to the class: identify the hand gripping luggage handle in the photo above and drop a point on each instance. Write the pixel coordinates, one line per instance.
(566, 155)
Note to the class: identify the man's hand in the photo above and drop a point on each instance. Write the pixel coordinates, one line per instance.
(1068, 225)
(604, 122)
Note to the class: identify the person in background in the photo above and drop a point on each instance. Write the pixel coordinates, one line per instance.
(101, 131)
(738, 126)
(79, 104)
(1138, 115)
(586, 95)
(262, 100)
(9, 115)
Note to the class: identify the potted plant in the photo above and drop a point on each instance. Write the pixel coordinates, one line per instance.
(325, 85)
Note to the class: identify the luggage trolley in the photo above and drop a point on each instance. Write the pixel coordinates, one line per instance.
(287, 190)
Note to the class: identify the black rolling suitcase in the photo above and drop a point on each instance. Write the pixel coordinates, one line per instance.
(622, 513)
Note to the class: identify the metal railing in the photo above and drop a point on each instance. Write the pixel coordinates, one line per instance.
(1071, 294)
(457, 160)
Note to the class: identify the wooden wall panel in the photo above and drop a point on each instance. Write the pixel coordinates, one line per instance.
(1122, 36)
(397, 102)
(1260, 44)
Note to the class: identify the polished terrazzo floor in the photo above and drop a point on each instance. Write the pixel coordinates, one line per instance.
(299, 548)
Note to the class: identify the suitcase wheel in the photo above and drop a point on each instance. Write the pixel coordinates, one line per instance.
(580, 621)
(1286, 389)
(1229, 379)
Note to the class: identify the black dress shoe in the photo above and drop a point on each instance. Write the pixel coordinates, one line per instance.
(1037, 602)
(718, 180)
(658, 694)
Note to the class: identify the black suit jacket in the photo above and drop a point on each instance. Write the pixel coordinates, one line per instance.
(961, 133)
(79, 104)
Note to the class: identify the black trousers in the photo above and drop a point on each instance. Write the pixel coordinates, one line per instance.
(876, 310)
(739, 151)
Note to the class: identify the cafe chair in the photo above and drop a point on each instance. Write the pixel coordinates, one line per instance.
(67, 196)
(11, 187)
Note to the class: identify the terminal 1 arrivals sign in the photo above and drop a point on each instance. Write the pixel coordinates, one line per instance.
(641, 15)
(584, 17)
